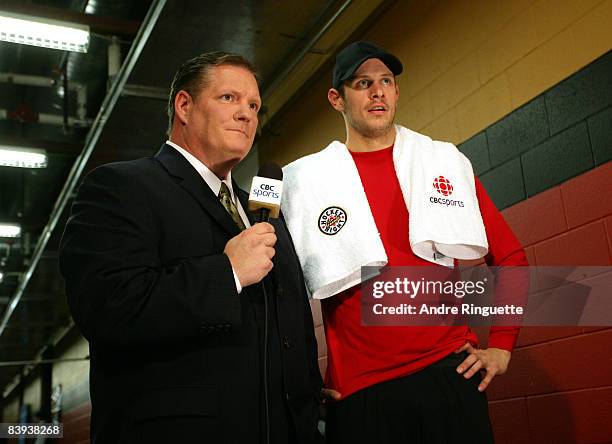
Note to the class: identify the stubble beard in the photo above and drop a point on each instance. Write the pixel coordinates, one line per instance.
(367, 130)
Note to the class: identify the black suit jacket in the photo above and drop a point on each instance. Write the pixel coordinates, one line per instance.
(176, 353)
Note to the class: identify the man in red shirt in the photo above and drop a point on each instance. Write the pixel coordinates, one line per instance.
(402, 383)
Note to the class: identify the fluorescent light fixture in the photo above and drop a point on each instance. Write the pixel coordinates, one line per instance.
(36, 31)
(1, 277)
(10, 230)
(22, 157)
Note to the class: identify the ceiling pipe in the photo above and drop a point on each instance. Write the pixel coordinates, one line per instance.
(146, 92)
(66, 104)
(43, 118)
(24, 79)
(41, 361)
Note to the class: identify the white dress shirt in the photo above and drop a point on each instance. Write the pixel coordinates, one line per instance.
(215, 185)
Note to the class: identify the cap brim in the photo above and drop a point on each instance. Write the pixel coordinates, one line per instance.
(390, 61)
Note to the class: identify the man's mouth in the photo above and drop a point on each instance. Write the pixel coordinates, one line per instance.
(239, 131)
(377, 109)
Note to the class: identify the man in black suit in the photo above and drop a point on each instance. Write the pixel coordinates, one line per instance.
(175, 286)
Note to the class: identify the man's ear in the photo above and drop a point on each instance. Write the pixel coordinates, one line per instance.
(336, 100)
(182, 106)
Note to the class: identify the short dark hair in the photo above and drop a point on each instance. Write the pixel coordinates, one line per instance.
(193, 75)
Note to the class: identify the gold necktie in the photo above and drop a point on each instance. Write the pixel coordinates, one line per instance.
(226, 200)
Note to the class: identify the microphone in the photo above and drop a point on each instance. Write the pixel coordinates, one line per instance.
(266, 192)
(265, 200)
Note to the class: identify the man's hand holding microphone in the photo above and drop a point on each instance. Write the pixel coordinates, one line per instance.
(251, 252)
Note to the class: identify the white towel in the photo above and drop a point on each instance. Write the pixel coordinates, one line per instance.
(323, 181)
(445, 222)
(332, 227)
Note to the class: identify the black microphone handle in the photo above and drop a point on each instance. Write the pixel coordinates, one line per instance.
(264, 215)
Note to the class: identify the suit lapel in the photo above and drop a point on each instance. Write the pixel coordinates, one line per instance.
(188, 178)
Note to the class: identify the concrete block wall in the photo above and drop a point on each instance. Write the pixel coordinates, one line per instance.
(559, 387)
(560, 134)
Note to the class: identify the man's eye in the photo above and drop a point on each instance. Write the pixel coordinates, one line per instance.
(386, 81)
(254, 106)
(363, 83)
(227, 97)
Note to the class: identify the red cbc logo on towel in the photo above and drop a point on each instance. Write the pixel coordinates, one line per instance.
(443, 186)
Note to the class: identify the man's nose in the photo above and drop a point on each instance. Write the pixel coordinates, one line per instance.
(243, 113)
(377, 91)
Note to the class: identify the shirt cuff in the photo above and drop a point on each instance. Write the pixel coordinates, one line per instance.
(238, 286)
(503, 337)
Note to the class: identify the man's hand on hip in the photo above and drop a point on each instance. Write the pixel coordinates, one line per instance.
(494, 361)
(251, 253)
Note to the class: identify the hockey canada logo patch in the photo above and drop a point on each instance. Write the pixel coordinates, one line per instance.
(443, 186)
(331, 220)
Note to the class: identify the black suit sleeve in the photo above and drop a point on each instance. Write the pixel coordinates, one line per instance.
(118, 290)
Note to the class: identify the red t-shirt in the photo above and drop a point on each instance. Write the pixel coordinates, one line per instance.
(360, 356)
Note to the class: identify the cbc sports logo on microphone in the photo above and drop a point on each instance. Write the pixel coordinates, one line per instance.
(331, 220)
(264, 189)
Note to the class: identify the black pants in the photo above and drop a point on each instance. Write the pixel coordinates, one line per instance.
(433, 406)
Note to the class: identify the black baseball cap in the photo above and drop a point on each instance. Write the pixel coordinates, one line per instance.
(351, 57)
